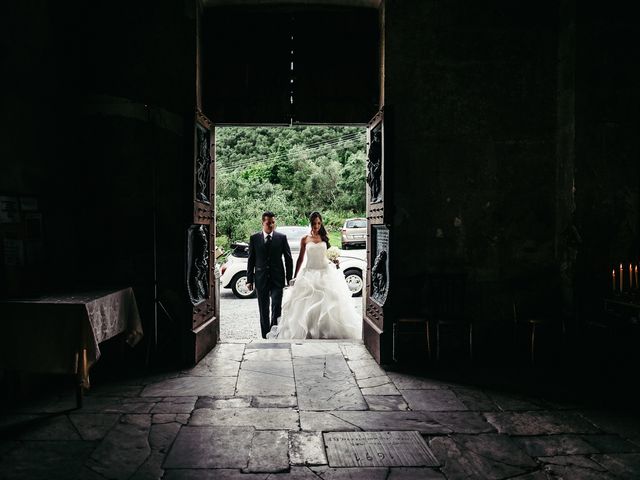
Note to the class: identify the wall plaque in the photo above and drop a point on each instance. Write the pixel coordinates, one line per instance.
(378, 449)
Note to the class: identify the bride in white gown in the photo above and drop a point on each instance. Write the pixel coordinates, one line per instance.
(319, 304)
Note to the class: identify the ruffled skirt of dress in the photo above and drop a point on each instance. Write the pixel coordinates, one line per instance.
(319, 305)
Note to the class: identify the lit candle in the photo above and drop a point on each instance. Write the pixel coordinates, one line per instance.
(636, 272)
(630, 277)
(621, 275)
(613, 278)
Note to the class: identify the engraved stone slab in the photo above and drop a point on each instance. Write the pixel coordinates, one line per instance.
(378, 449)
(306, 448)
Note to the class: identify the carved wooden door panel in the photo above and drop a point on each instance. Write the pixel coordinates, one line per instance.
(377, 337)
(201, 274)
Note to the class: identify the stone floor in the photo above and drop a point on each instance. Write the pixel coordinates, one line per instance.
(263, 410)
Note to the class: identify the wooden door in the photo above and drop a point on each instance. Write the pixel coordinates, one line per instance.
(201, 274)
(378, 336)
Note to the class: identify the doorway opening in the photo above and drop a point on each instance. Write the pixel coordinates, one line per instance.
(291, 171)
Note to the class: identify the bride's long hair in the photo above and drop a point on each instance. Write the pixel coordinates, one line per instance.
(323, 232)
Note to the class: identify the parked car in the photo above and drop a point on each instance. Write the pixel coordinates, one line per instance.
(234, 270)
(354, 233)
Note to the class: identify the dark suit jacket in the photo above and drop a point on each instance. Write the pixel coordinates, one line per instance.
(267, 271)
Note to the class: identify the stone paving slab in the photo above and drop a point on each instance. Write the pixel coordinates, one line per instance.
(212, 474)
(381, 385)
(230, 351)
(409, 473)
(622, 423)
(354, 351)
(275, 401)
(433, 400)
(210, 447)
(116, 390)
(124, 449)
(51, 404)
(307, 448)
(214, 367)
(610, 443)
(94, 426)
(46, 460)
(374, 473)
(622, 465)
(554, 445)
(386, 402)
(266, 378)
(295, 473)
(260, 418)
(539, 423)
(181, 418)
(475, 400)
(326, 383)
(118, 404)
(191, 386)
(267, 354)
(463, 422)
(39, 427)
(374, 421)
(410, 382)
(175, 405)
(516, 403)
(161, 437)
(268, 345)
(231, 402)
(269, 452)
(315, 349)
(325, 422)
(575, 466)
(481, 456)
(366, 368)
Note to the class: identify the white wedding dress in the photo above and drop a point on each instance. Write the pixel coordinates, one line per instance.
(319, 304)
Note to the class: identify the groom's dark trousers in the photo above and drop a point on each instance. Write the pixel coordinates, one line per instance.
(268, 274)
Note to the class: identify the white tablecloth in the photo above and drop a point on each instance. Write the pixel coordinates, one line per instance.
(49, 333)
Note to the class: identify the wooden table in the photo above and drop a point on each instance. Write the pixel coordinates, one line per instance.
(61, 333)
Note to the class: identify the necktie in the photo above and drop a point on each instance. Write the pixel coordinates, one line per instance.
(268, 242)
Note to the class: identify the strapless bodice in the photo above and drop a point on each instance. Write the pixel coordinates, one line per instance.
(317, 255)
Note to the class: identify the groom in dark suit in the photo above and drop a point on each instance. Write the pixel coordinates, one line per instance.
(266, 272)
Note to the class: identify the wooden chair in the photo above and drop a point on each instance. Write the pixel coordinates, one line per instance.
(534, 318)
(445, 298)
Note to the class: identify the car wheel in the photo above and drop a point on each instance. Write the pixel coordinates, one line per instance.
(353, 277)
(239, 286)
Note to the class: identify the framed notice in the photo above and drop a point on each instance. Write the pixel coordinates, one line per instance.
(9, 210)
(13, 252)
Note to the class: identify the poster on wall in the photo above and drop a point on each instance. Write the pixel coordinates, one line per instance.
(28, 204)
(9, 212)
(13, 252)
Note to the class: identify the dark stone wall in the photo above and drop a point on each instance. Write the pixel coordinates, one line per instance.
(470, 90)
(607, 149)
(99, 124)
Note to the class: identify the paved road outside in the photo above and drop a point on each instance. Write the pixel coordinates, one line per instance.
(239, 319)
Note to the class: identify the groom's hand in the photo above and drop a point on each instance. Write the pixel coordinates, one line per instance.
(250, 286)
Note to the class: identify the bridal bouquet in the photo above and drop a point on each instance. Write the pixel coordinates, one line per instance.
(332, 254)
